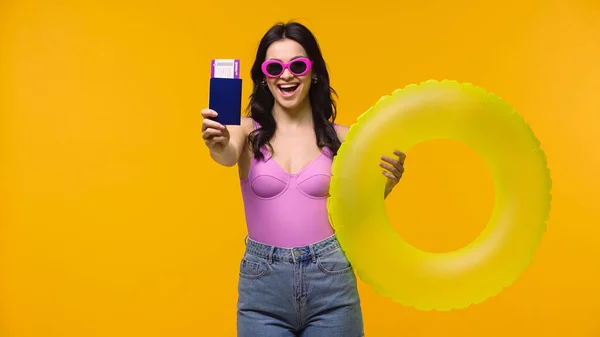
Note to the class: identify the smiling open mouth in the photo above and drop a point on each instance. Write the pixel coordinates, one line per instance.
(288, 89)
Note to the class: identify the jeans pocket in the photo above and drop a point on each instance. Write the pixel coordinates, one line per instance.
(253, 267)
(334, 263)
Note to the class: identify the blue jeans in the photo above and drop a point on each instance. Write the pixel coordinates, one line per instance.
(306, 292)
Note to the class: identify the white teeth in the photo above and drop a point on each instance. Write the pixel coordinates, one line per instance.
(288, 86)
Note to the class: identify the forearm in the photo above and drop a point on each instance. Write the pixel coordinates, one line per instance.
(228, 156)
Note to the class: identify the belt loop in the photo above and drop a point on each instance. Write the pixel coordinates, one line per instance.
(270, 258)
(312, 253)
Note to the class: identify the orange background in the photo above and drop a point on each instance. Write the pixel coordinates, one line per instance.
(115, 222)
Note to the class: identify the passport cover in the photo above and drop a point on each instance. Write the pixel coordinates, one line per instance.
(225, 97)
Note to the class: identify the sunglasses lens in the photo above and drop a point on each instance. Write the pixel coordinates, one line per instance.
(298, 67)
(274, 69)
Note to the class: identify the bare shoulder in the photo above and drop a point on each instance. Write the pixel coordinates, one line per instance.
(342, 131)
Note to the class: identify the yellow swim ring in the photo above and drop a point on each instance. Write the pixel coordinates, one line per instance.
(453, 280)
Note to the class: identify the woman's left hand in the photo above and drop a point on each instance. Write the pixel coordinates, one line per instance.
(393, 170)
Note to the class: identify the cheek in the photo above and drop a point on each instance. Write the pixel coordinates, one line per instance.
(305, 79)
(307, 82)
(272, 86)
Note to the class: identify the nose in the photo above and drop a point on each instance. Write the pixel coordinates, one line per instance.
(286, 74)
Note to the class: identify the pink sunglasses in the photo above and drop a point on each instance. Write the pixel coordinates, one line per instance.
(298, 67)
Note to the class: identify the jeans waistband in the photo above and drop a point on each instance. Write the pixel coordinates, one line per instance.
(296, 254)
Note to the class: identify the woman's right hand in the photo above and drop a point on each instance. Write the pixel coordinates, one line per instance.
(215, 135)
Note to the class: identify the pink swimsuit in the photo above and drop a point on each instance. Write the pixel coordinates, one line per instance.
(287, 210)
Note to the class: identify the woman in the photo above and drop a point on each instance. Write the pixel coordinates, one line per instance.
(294, 278)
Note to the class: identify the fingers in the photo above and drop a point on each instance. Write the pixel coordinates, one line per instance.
(208, 113)
(401, 156)
(210, 124)
(214, 140)
(391, 161)
(212, 132)
(391, 177)
(393, 168)
(395, 162)
(396, 171)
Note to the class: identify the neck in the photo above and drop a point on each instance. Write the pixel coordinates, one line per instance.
(300, 115)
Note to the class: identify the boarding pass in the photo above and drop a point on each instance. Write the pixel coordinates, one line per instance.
(225, 68)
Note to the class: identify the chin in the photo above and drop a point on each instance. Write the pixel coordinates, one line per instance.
(287, 105)
(292, 103)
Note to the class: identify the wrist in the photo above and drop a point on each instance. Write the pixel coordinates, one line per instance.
(224, 155)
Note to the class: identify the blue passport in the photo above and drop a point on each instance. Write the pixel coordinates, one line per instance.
(225, 97)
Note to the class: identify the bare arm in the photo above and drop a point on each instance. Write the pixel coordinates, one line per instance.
(238, 135)
(225, 143)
